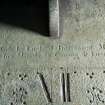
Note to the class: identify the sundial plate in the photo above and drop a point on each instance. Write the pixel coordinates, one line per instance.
(37, 70)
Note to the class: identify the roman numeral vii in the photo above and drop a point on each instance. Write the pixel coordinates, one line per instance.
(64, 87)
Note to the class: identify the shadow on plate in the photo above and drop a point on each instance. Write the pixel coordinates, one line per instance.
(28, 14)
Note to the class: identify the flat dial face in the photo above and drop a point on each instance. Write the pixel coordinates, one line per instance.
(37, 70)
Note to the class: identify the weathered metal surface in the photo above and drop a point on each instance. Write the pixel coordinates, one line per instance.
(55, 18)
(80, 52)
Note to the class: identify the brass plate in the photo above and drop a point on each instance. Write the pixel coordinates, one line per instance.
(37, 70)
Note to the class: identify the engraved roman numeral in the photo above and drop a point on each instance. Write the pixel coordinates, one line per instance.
(65, 87)
(44, 87)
